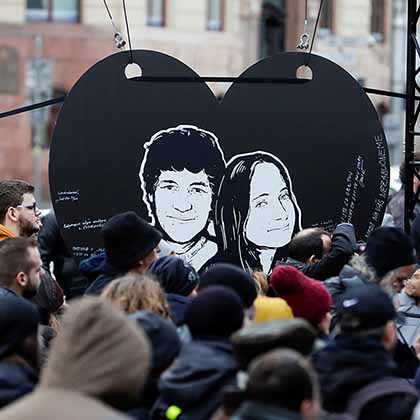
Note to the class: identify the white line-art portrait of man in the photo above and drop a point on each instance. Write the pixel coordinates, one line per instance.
(180, 175)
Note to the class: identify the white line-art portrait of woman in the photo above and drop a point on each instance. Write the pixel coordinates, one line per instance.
(256, 211)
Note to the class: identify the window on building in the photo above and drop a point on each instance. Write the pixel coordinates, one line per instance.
(215, 14)
(327, 15)
(377, 19)
(52, 10)
(273, 27)
(53, 116)
(156, 12)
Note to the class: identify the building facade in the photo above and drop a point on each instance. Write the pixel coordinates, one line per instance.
(368, 39)
(214, 37)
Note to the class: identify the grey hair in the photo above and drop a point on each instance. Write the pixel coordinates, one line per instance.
(386, 281)
(359, 263)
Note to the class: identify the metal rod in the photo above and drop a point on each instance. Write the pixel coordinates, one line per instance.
(416, 43)
(197, 79)
(32, 107)
(389, 93)
(220, 79)
(410, 113)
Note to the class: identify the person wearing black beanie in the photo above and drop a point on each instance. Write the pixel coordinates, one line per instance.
(215, 312)
(206, 364)
(131, 244)
(166, 346)
(179, 280)
(388, 261)
(234, 278)
(19, 364)
(175, 275)
(390, 253)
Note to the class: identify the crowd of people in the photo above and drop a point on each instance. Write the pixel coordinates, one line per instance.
(332, 332)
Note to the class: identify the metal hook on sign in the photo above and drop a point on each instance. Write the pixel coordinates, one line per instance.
(118, 38)
(304, 38)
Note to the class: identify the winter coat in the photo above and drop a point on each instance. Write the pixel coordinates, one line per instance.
(195, 382)
(417, 380)
(4, 291)
(53, 249)
(350, 279)
(5, 233)
(45, 303)
(89, 371)
(177, 305)
(349, 363)
(343, 245)
(109, 274)
(252, 410)
(148, 399)
(16, 380)
(92, 267)
(410, 329)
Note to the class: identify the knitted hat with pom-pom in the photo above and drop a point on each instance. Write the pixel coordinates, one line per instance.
(308, 298)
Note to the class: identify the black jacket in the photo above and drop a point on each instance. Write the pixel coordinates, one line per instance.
(108, 274)
(4, 291)
(148, 399)
(252, 410)
(343, 246)
(53, 249)
(349, 363)
(16, 380)
(177, 305)
(195, 382)
(44, 304)
(92, 267)
(350, 279)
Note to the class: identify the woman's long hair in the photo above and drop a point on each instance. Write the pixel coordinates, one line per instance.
(232, 208)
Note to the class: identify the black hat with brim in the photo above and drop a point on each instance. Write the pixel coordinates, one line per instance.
(128, 238)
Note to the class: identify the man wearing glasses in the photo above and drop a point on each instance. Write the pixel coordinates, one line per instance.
(19, 215)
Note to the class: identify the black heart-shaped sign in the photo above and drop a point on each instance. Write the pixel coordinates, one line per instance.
(224, 181)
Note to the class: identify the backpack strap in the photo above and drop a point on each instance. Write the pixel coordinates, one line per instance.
(381, 388)
(409, 315)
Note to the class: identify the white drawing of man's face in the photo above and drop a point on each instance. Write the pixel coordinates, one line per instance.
(271, 215)
(183, 202)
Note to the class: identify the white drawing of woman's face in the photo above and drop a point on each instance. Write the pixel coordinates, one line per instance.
(271, 215)
(183, 203)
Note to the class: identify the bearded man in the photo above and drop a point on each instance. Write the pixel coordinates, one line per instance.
(20, 218)
(19, 214)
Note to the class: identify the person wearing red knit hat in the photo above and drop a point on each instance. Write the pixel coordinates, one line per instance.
(308, 298)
